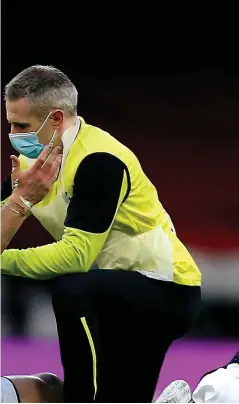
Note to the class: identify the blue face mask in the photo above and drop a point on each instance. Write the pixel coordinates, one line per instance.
(27, 143)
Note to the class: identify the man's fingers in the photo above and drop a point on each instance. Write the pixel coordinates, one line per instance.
(42, 158)
(15, 162)
(55, 168)
(46, 167)
(16, 170)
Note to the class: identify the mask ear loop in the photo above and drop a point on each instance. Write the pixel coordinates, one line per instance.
(50, 144)
(43, 123)
(54, 134)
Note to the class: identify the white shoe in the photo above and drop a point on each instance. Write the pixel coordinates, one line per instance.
(176, 392)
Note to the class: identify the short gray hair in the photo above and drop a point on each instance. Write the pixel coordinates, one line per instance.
(45, 87)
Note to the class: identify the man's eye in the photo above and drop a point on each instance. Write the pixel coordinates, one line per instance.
(20, 126)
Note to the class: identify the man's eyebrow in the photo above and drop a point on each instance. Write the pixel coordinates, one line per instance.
(20, 124)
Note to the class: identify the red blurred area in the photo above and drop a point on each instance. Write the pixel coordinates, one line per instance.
(185, 132)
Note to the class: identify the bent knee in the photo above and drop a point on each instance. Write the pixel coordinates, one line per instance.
(65, 288)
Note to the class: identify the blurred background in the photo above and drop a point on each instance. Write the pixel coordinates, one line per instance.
(182, 123)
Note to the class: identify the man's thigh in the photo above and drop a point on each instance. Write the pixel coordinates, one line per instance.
(126, 314)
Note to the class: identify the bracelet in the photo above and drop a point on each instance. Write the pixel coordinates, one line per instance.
(28, 204)
(13, 210)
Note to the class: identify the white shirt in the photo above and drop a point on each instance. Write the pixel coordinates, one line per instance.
(221, 386)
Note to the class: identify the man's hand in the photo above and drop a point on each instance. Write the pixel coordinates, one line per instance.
(34, 183)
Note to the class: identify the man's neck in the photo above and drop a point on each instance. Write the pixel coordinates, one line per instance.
(69, 122)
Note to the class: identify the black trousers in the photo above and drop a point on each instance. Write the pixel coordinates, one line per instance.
(132, 320)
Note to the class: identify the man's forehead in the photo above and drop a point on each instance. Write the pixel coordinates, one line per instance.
(18, 111)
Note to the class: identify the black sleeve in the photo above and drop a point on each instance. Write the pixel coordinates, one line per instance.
(96, 192)
(6, 188)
